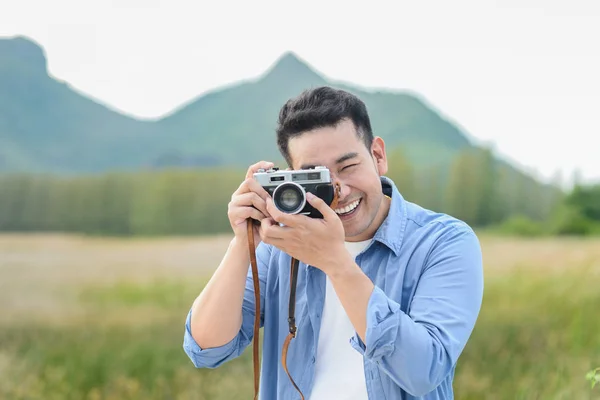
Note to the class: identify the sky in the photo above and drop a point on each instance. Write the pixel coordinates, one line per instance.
(521, 76)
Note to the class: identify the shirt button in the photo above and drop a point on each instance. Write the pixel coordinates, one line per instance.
(313, 359)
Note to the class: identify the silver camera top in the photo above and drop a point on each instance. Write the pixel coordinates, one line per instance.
(274, 176)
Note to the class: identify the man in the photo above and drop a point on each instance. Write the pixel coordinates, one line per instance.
(387, 295)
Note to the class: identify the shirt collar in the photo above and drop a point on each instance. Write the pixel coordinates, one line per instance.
(391, 231)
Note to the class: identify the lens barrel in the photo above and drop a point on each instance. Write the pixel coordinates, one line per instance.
(289, 197)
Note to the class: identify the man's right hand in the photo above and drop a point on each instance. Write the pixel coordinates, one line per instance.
(249, 201)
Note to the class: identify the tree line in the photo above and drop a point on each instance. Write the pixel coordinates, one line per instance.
(475, 188)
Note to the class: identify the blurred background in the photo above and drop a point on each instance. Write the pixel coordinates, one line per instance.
(125, 127)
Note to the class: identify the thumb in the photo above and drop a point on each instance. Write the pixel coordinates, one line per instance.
(320, 205)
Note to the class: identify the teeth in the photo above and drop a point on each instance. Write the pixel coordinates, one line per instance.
(348, 208)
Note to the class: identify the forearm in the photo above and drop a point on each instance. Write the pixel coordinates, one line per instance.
(217, 311)
(417, 355)
(354, 289)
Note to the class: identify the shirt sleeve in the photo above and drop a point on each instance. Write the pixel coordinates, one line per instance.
(419, 349)
(216, 356)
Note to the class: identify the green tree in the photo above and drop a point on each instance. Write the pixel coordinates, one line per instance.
(472, 193)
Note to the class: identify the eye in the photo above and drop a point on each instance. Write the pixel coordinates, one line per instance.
(348, 167)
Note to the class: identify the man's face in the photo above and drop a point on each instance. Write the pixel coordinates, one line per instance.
(362, 207)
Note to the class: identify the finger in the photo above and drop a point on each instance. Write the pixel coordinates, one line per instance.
(265, 225)
(248, 200)
(243, 188)
(250, 185)
(255, 167)
(272, 232)
(255, 187)
(267, 222)
(292, 220)
(321, 206)
(242, 214)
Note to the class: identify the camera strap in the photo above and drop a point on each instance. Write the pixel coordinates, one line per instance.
(294, 265)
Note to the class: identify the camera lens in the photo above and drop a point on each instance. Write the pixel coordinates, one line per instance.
(289, 198)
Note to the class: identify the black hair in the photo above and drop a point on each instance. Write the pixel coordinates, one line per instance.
(320, 107)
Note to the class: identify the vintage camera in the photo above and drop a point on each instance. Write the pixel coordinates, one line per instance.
(288, 188)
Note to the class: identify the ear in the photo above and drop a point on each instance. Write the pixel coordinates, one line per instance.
(379, 156)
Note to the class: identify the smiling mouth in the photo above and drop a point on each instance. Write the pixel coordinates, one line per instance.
(348, 209)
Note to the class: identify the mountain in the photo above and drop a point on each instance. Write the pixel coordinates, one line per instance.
(246, 114)
(46, 125)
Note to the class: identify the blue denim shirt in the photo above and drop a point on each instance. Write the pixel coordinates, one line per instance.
(428, 276)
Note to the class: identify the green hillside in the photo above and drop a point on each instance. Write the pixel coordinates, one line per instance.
(47, 125)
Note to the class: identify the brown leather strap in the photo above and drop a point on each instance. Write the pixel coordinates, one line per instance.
(255, 341)
(291, 320)
(294, 266)
(286, 344)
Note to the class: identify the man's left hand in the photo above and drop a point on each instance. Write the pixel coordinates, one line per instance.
(313, 241)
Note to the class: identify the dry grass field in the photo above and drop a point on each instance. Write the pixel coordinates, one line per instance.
(102, 318)
(41, 275)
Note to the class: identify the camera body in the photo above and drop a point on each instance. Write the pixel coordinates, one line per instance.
(288, 188)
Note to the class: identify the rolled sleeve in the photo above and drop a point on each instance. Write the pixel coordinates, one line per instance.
(382, 326)
(207, 358)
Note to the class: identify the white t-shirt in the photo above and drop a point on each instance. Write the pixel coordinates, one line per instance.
(339, 371)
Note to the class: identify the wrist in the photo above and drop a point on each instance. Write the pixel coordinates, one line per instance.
(239, 248)
(342, 265)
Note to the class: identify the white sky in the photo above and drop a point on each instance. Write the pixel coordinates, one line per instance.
(523, 75)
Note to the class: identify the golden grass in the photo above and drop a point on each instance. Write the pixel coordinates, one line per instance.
(38, 272)
(504, 255)
(102, 318)
(42, 275)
